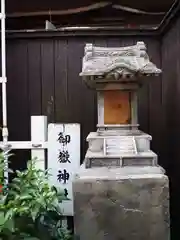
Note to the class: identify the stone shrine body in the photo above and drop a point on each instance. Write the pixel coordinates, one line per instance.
(116, 74)
(119, 158)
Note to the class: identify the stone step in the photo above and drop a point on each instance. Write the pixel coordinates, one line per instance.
(120, 145)
(108, 144)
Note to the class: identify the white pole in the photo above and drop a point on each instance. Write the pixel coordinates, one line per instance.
(38, 137)
(3, 57)
(4, 101)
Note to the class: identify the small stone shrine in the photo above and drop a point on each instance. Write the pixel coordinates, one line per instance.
(120, 192)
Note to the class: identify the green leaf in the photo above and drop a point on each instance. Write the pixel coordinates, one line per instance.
(9, 224)
(25, 197)
(9, 214)
(2, 218)
(23, 210)
(16, 180)
(15, 187)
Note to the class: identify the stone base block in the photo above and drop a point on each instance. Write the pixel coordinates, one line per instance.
(137, 160)
(118, 204)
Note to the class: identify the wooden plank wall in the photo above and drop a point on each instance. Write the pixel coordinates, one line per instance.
(43, 78)
(171, 104)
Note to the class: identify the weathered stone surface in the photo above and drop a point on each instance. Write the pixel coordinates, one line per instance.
(132, 150)
(99, 159)
(120, 193)
(121, 207)
(100, 61)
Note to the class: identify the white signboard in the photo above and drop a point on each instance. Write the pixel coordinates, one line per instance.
(64, 159)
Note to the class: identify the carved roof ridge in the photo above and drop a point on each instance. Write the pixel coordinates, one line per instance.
(123, 60)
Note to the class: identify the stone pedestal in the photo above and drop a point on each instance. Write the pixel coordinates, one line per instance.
(120, 193)
(121, 204)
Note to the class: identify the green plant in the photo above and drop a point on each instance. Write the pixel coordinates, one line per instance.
(4, 169)
(30, 208)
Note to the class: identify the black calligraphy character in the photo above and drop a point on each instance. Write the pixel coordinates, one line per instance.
(65, 192)
(60, 137)
(63, 176)
(64, 157)
(67, 139)
(64, 140)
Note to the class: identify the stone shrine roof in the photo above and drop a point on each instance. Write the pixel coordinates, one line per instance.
(117, 62)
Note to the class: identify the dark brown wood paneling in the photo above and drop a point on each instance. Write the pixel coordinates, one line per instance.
(47, 77)
(156, 117)
(18, 90)
(81, 101)
(50, 69)
(73, 102)
(61, 80)
(18, 99)
(34, 77)
(171, 98)
(75, 96)
(170, 94)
